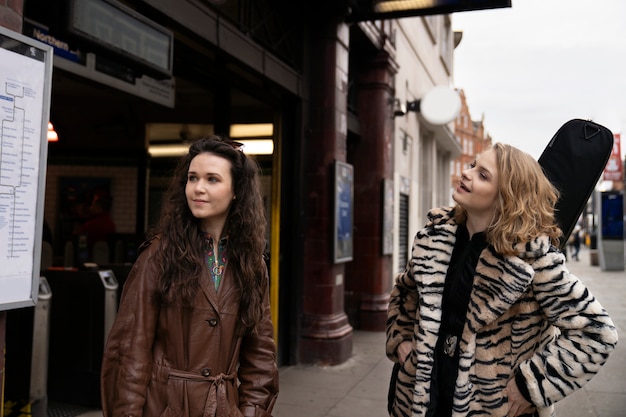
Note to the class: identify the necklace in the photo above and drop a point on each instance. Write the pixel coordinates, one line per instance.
(217, 270)
(216, 263)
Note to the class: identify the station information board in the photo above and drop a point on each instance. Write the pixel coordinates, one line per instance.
(25, 86)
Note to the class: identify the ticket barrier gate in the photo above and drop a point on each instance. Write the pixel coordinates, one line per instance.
(26, 365)
(82, 314)
(121, 272)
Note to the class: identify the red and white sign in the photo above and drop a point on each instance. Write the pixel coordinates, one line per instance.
(614, 170)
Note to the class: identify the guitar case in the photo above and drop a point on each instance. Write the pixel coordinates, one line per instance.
(573, 161)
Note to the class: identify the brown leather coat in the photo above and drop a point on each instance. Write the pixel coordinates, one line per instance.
(166, 360)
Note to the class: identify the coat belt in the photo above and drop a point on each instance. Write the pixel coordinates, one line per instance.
(216, 391)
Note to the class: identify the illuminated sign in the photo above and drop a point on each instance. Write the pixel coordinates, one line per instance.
(61, 47)
(361, 10)
(118, 30)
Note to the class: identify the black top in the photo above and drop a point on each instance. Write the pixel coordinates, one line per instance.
(456, 294)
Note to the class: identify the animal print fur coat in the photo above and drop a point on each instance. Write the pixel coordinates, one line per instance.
(527, 315)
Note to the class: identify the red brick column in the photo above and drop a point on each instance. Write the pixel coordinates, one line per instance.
(11, 14)
(369, 276)
(326, 336)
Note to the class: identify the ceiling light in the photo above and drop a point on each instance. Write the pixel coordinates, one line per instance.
(258, 146)
(251, 130)
(391, 6)
(163, 151)
(250, 147)
(52, 134)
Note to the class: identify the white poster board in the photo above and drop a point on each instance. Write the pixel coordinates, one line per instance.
(25, 85)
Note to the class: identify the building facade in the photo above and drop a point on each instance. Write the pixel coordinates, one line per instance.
(347, 182)
(473, 138)
(422, 151)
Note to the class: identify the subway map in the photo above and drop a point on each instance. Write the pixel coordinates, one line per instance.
(22, 76)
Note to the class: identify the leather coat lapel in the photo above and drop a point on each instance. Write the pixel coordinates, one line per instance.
(207, 288)
(222, 298)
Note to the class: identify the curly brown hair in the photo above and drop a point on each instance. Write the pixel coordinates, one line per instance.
(181, 252)
(526, 202)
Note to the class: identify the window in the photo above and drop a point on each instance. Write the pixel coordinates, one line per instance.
(403, 231)
(446, 44)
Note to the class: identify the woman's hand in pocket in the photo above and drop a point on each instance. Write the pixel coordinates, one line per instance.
(404, 349)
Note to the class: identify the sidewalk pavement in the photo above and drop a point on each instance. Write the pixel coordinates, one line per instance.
(358, 387)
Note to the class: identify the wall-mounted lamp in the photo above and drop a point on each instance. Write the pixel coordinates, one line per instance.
(52, 134)
(439, 106)
(399, 108)
(413, 105)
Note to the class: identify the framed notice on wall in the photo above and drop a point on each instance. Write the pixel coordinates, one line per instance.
(25, 85)
(344, 206)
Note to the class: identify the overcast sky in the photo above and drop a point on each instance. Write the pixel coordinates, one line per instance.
(530, 68)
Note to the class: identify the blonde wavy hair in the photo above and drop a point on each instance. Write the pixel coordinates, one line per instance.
(525, 207)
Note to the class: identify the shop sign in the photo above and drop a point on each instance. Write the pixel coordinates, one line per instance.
(61, 47)
(614, 170)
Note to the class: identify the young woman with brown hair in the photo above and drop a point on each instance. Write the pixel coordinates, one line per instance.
(194, 336)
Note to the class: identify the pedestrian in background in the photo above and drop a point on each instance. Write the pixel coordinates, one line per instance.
(193, 336)
(486, 319)
(576, 240)
(99, 225)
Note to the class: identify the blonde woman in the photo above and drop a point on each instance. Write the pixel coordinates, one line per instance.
(486, 320)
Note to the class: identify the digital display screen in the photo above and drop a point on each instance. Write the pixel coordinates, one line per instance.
(118, 29)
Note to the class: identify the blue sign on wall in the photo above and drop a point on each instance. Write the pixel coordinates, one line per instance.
(344, 204)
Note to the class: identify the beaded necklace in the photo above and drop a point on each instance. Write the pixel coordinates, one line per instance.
(216, 260)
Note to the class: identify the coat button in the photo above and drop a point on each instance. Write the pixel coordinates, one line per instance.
(205, 372)
(212, 322)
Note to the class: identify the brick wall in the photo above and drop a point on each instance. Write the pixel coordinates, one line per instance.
(123, 190)
(11, 14)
